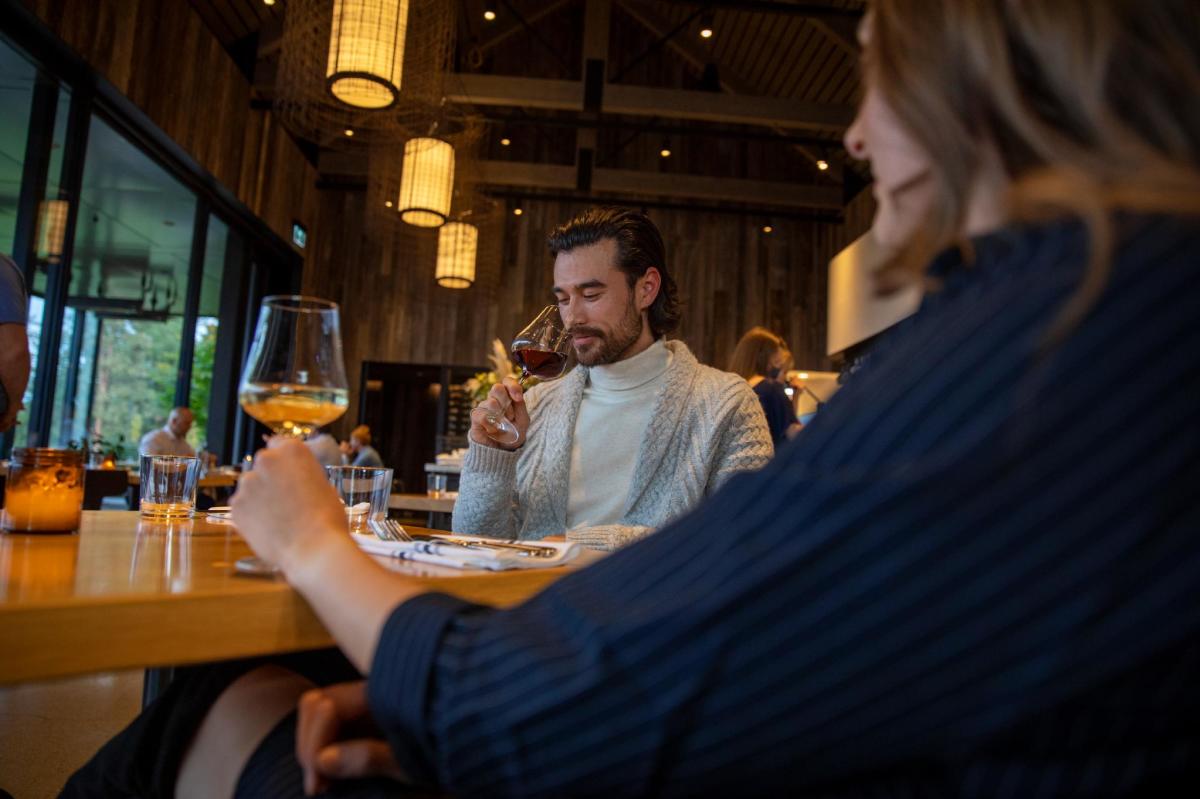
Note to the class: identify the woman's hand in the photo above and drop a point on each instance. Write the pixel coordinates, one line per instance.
(336, 738)
(285, 507)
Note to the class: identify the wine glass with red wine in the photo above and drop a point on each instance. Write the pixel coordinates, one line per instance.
(541, 349)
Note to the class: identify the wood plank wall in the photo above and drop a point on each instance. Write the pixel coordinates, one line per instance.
(159, 54)
(730, 274)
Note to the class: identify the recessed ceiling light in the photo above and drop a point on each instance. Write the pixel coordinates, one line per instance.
(706, 25)
(665, 152)
(489, 11)
(506, 141)
(349, 131)
(517, 212)
(768, 229)
(388, 203)
(822, 164)
(268, 2)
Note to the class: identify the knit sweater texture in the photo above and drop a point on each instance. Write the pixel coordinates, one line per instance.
(707, 425)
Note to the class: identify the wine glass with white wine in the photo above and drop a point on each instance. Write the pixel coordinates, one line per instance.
(295, 380)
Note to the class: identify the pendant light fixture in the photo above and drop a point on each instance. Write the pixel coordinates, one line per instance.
(366, 52)
(426, 182)
(458, 243)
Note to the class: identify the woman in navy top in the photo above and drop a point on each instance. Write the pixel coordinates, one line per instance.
(761, 357)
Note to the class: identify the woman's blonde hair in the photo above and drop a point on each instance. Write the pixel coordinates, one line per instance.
(1090, 104)
(752, 355)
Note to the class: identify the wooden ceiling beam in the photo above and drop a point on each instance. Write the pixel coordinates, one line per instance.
(503, 90)
(731, 82)
(660, 184)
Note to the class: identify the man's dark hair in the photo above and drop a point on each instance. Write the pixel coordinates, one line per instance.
(639, 247)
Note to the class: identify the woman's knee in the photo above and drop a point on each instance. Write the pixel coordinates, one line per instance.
(240, 718)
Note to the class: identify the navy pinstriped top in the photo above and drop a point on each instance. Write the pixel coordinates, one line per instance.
(976, 573)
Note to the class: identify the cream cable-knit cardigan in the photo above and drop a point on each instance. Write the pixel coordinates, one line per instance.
(707, 425)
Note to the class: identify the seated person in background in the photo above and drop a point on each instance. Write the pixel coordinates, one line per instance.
(14, 343)
(326, 448)
(761, 357)
(170, 439)
(635, 435)
(358, 450)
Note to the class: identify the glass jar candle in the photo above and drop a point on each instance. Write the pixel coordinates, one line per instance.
(44, 492)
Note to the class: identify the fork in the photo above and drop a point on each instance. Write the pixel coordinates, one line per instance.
(388, 530)
(391, 530)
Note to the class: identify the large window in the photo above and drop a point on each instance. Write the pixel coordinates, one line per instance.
(129, 278)
(140, 269)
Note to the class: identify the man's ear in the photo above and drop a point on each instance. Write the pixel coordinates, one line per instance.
(648, 287)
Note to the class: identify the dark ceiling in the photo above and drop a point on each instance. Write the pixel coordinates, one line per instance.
(802, 52)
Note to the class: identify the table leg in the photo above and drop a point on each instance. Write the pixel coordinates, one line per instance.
(154, 682)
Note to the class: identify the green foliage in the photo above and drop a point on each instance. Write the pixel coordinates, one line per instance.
(135, 376)
(202, 374)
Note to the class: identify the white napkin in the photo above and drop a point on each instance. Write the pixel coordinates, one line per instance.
(458, 557)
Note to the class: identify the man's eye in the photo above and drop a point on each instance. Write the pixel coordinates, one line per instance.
(591, 296)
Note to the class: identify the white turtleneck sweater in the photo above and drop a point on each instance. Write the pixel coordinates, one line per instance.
(618, 401)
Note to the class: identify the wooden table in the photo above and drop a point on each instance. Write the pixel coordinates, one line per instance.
(125, 594)
(438, 508)
(210, 480)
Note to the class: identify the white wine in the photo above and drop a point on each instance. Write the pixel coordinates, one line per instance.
(291, 409)
(167, 510)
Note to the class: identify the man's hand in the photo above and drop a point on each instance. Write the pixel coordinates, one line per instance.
(336, 739)
(285, 507)
(508, 400)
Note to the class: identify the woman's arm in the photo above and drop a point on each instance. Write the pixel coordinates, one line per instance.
(290, 515)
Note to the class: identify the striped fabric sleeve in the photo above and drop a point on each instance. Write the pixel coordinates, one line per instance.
(977, 546)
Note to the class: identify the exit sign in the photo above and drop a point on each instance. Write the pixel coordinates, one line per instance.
(299, 235)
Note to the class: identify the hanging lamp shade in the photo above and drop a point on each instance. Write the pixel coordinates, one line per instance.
(366, 52)
(457, 245)
(426, 182)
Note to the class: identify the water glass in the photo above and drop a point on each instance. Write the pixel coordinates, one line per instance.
(437, 485)
(169, 485)
(364, 490)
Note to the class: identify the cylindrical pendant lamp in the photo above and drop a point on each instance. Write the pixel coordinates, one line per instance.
(366, 52)
(426, 182)
(457, 245)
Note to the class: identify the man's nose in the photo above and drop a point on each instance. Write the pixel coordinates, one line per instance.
(571, 313)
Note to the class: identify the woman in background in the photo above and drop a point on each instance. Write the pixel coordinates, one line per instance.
(761, 357)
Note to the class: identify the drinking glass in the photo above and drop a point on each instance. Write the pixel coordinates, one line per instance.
(364, 490)
(542, 350)
(168, 486)
(295, 381)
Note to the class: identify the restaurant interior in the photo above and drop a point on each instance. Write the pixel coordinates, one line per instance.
(166, 165)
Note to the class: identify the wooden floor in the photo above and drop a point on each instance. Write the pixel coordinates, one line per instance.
(49, 729)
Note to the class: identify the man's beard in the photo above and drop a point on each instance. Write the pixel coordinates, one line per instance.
(609, 347)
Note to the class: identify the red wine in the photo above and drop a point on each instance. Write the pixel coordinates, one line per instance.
(546, 364)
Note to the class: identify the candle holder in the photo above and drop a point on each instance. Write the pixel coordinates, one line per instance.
(44, 492)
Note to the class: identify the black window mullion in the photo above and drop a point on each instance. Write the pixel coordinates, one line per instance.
(191, 305)
(34, 172)
(58, 276)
